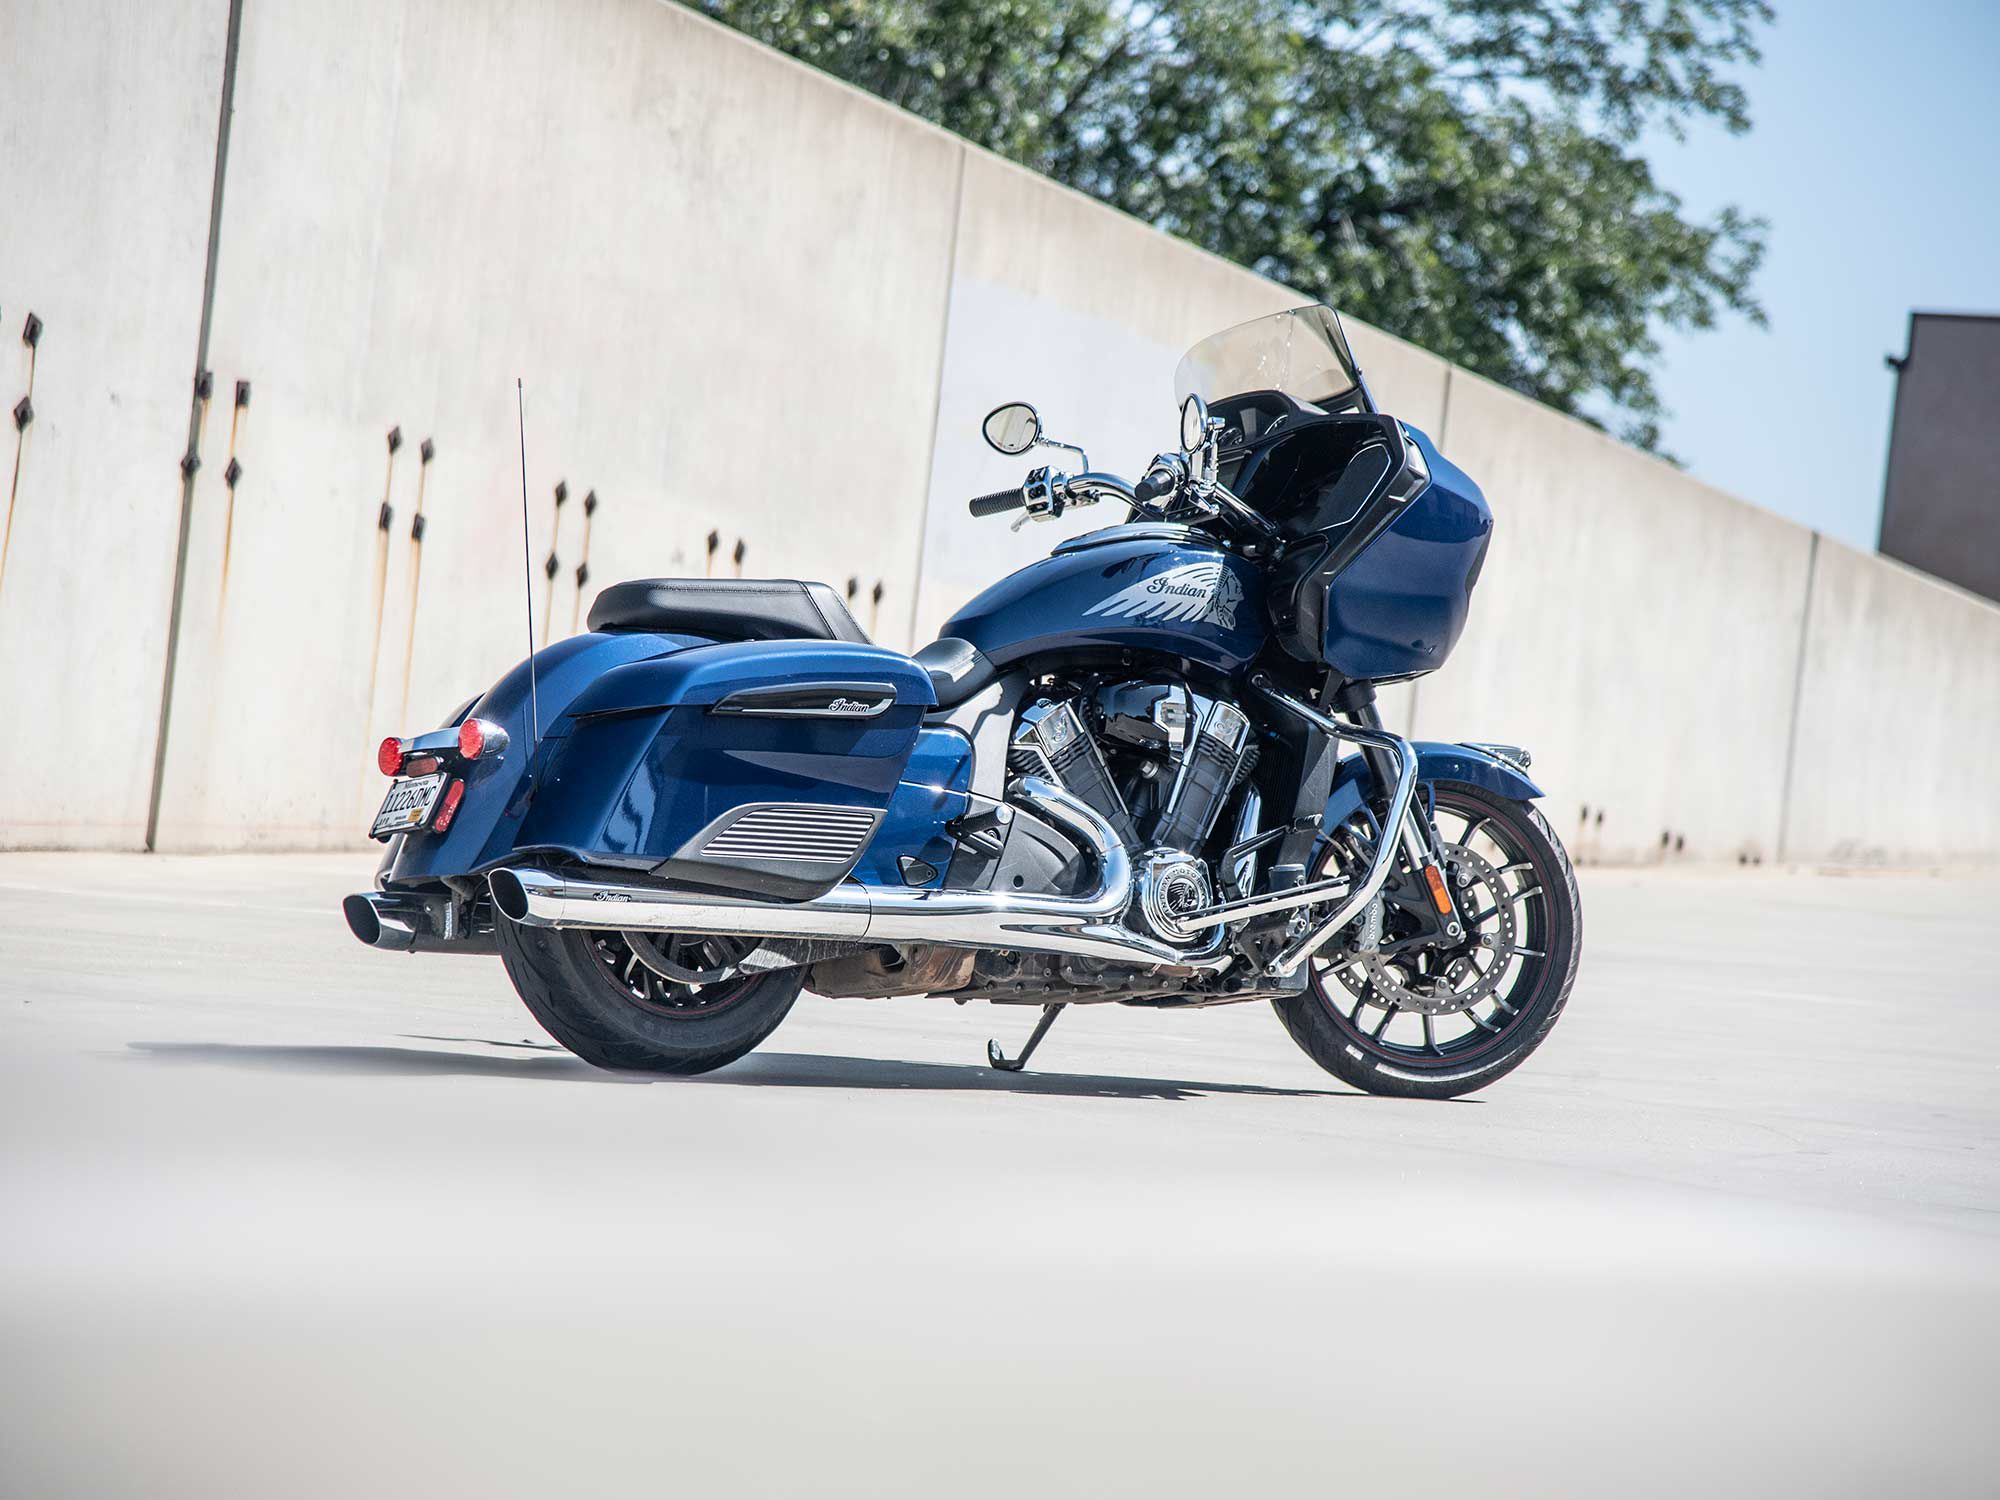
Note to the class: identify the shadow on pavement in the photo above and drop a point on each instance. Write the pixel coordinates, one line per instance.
(412, 1062)
(800, 1070)
(762, 1070)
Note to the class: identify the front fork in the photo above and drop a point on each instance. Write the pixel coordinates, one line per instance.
(1418, 835)
(1396, 772)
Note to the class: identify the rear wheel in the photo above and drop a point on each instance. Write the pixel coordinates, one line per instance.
(1430, 1020)
(646, 1002)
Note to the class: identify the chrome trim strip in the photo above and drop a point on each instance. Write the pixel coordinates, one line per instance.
(810, 832)
(847, 700)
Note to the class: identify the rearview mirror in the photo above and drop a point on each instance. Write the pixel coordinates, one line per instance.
(1194, 423)
(1013, 428)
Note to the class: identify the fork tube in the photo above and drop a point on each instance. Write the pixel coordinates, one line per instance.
(1357, 701)
(1418, 837)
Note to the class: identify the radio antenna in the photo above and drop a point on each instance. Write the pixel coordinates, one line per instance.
(528, 572)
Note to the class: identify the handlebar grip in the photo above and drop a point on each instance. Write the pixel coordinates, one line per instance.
(997, 502)
(1155, 486)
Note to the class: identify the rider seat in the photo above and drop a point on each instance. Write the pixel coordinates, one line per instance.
(730, 609)
(773, 609)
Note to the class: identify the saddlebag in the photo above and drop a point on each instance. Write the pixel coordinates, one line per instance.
(750, 767)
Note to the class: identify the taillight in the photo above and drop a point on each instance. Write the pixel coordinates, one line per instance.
(390, 756)
(480, 737)
(448, 808)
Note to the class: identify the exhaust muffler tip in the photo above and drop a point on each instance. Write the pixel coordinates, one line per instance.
(361, 919)
(383, 921)
(510, 898)
(416, 922)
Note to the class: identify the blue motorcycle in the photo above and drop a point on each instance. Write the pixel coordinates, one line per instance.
(1116, 777)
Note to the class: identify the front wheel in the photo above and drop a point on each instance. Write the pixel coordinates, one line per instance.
(645, 1002)
(1422, 1020)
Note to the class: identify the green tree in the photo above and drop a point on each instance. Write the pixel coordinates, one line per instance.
(1464, 173)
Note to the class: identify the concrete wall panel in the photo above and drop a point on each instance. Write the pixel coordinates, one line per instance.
(107, 149)
(722, 275)
(1899, 718)
(1637, 630)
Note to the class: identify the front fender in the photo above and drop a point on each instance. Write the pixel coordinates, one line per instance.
(1436, 761)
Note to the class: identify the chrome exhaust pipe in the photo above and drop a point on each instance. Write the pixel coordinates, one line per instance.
(1086, 926)
(406, 922)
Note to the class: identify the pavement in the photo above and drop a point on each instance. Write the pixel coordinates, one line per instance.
(290, 1217)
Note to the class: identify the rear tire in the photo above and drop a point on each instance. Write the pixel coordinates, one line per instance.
(614, 1014)
(1329, 1022)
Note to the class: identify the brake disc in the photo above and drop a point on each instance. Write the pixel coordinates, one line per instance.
(1457, 983)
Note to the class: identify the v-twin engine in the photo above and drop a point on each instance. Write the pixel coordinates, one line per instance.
(1177, 757)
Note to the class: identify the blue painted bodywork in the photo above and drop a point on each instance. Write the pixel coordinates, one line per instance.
(931, 793)
(1400, 606)
(632, 763)
(1353, 783)
(489, 817)
(1066, 603)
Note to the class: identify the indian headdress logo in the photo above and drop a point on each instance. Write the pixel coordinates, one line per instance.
(1193, 591)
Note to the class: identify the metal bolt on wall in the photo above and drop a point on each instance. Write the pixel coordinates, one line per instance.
(24, 417)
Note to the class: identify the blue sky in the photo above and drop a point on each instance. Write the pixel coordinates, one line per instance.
(1875, 153)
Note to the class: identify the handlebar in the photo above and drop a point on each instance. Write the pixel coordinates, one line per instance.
(997, 503)
(1058, 492)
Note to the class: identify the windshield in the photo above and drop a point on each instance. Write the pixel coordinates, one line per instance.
(1302, 353)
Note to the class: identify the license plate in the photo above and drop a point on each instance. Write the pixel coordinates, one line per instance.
(408, 804)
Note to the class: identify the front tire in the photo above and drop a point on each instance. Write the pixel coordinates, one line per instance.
(1352, 1022)
(593, 993)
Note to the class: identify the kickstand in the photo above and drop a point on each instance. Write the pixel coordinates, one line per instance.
(1005, 1064)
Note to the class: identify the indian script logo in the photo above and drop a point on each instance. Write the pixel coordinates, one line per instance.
(1193, 591)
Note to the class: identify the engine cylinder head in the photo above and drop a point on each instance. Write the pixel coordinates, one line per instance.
(1208, 771)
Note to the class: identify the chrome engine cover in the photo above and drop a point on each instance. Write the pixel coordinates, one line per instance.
(1173, 886)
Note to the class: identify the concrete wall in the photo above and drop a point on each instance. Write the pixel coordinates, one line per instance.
(618, 201)
(749, 300)
(1637, 630)
(107, 149)
(1898, 730)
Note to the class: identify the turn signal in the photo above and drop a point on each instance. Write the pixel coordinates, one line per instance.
(390, 757)
(1440, 897)
(448, 808)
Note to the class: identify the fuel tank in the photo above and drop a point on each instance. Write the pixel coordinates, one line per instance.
(1160, 588)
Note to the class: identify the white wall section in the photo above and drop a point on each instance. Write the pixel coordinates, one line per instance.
(107, 150)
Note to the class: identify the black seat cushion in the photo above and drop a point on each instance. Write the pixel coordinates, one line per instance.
(957, 669)
(734, 609)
